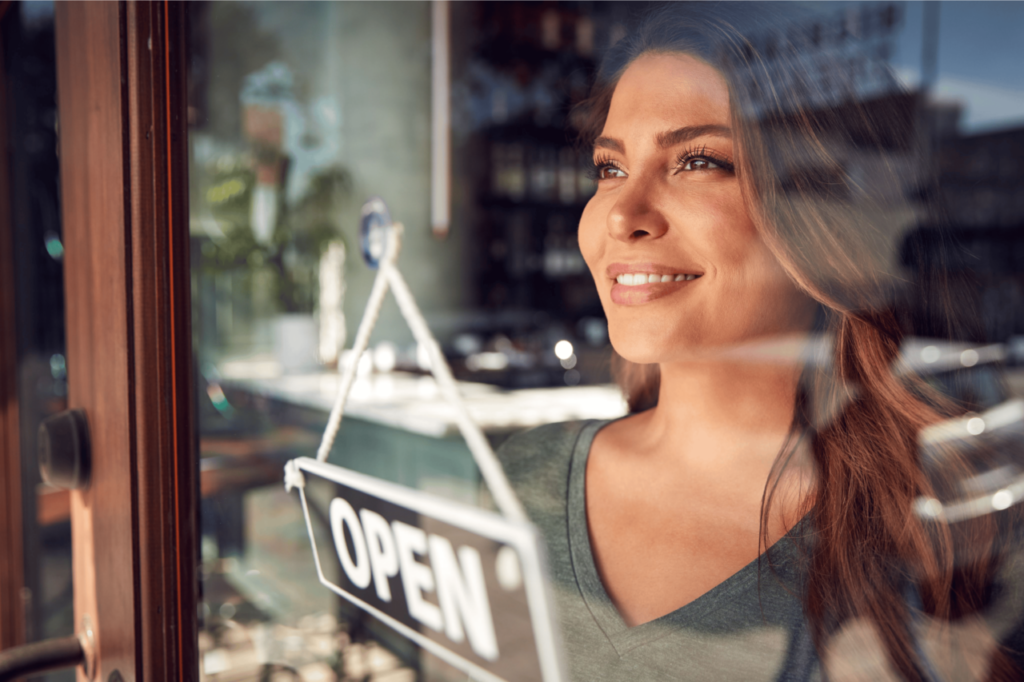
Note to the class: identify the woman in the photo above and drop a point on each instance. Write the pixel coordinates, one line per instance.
(757, 521)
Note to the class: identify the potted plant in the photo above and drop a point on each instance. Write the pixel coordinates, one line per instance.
(280, 261)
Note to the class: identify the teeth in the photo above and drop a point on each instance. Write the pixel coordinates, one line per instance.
(639, 278)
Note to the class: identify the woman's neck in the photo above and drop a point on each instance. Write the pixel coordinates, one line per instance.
(723, 412)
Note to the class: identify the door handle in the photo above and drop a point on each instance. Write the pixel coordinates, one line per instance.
(50, 654)
(64, 457)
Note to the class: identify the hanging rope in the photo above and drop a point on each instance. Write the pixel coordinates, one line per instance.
(388, 275)
(366, 325)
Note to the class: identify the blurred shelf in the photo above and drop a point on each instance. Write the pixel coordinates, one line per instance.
(412, 403)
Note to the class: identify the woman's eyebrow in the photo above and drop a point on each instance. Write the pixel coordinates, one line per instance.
(610, 143)
(673, 137)
(669, 138)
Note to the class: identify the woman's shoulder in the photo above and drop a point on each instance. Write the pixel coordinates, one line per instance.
(542, 441)
(538, 464)
(543, 451)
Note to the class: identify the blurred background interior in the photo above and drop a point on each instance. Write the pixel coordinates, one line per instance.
(458, 115)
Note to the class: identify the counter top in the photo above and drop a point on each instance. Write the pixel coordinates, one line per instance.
(413, 402)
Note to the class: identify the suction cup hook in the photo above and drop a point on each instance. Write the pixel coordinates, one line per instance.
(375, 231)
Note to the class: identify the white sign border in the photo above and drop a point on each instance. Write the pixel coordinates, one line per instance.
(488, 524)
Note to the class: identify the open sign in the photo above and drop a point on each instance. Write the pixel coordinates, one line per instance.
(466, 584)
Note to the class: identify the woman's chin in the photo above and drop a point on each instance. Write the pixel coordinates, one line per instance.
(645, 350)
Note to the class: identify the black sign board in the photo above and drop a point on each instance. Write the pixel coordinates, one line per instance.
(466, 584)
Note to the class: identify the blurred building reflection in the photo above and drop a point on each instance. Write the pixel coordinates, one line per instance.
(297, 113)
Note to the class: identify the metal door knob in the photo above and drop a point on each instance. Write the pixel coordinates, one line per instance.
(64, 456)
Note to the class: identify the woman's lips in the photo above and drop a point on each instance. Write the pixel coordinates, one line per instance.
(625, 293)
(638, 294)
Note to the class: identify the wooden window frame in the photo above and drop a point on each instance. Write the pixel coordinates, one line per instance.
(122, 71)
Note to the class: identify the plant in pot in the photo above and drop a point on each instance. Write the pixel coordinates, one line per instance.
(276, 245)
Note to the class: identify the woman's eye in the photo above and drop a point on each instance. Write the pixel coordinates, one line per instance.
(699, 164)
(701, 159)
(609, 172)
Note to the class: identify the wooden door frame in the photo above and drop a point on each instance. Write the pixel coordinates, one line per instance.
(121, 71)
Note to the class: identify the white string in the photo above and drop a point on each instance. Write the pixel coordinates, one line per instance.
(293, 477)
(490, 467)
(348, 375)
(479, 447)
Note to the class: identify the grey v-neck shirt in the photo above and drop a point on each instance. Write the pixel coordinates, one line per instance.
(750, 627)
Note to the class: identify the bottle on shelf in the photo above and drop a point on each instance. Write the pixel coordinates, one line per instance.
(543, 174)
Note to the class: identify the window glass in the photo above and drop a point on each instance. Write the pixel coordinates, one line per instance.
(784, 236)
(35, 218)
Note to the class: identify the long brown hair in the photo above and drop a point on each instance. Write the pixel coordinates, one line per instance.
(870, 555)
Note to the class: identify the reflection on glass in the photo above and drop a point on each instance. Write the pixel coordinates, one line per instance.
(288, 135)
(36, 269)
(886, 175)
(804, 358)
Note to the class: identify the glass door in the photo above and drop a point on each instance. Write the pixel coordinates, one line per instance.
(35, 541)
(298, 113)
(122, 112)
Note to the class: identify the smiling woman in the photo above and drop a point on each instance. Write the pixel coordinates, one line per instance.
(668, 204)
(754, 517)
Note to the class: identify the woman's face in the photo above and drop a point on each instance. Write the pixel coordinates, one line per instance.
(668, 208)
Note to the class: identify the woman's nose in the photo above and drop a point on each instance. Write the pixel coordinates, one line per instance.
(634, 216)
